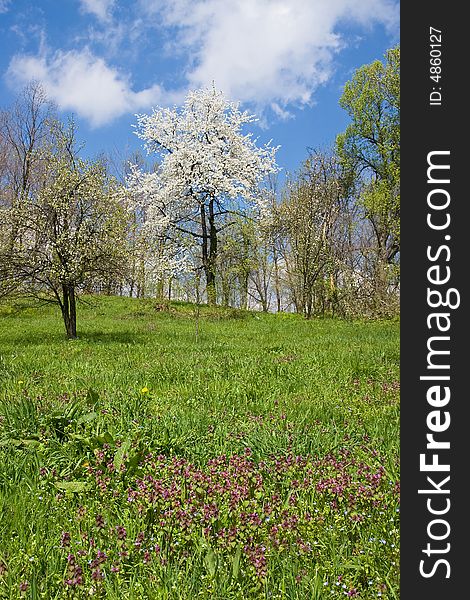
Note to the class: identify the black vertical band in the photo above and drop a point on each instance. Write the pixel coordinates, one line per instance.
(435, 325)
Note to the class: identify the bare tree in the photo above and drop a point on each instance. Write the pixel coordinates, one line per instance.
(25, 131)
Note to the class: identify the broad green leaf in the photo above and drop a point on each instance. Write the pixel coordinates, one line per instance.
(236, 562)
(210, 560)
(119, 456)
(87, 418)
(72, 486)
(92, 397)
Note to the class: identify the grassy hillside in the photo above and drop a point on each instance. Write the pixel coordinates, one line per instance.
(169, 455)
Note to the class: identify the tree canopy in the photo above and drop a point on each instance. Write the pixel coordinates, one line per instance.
(370, 147)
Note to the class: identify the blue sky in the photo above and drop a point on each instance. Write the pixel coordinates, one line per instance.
(105, 60)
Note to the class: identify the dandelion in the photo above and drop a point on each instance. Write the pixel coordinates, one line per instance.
(144, 390)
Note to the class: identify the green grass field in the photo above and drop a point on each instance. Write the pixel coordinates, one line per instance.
(237, 455)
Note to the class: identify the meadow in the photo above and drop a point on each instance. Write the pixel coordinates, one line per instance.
(172, 453)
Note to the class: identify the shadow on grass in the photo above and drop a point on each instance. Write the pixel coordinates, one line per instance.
(105, 337)
(41, 338)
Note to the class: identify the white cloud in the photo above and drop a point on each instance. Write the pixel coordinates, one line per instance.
(100, 8)
(265, 51)
(4, 6)
(82, 83)
(269, 53)
(283, 114)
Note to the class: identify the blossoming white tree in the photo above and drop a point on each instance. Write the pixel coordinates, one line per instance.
(209, 171)
(162, 252)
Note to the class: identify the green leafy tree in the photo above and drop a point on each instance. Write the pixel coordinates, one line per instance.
(370, 152)
(306, 219)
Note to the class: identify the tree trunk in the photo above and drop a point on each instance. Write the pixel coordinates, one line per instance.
(209, 251)
(141, 285)
(170, 282)
(211, 287)
(160, 289)
(277, 286)
(226, 289)
(69, 311)
(244, 291)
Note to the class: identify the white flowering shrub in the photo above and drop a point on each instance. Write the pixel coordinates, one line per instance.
(67, 236)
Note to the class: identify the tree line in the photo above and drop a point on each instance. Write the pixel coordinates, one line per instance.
(205, 216)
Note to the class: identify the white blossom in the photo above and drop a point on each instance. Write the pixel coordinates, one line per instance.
(209, 170)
